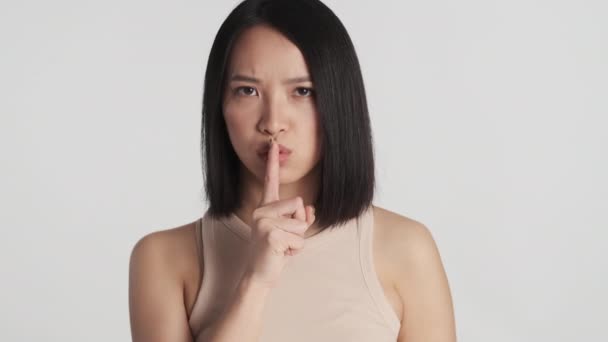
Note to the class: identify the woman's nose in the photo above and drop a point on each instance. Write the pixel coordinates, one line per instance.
(274, 118)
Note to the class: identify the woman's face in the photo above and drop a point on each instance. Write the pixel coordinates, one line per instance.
(268, 92)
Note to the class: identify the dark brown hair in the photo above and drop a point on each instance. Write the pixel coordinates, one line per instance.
(347, 163)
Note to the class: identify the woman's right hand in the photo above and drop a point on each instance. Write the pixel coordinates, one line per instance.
(278, 229)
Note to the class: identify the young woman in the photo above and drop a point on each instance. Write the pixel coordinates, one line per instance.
(291, 247)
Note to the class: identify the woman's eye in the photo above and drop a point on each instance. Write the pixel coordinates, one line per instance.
(249, 91)
(307, 91)
(246, 89)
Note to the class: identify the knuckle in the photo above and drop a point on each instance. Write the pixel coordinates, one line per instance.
(257, 214)
(263, 222)
(299, 201)
(273, 235)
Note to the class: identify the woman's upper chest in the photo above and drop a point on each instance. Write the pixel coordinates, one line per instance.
(383, 263)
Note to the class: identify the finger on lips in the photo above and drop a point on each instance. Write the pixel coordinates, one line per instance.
(271, 179)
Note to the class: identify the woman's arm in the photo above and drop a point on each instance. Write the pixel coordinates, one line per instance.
(242, 319)
(423, 286)
(156, 293)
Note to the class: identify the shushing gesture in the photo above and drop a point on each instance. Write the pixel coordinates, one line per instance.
(278, 229)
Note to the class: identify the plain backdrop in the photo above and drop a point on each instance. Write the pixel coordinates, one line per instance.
(489, 123)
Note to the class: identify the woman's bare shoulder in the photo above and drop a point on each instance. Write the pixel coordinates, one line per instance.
(417, 271)
(173, 252)
(176, 245)
(399, 241)
(159, 266)
(393, 227)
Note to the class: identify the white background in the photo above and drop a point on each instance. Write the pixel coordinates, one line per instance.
(489, 122)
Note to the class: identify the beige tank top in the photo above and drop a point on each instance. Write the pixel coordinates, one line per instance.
(329, 291)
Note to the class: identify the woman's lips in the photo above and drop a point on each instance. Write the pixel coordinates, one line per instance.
(283, 156)
(266, 147)
(284, 153)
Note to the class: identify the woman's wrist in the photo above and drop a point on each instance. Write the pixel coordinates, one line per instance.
(249, 284)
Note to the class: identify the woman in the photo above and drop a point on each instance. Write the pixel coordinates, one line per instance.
(291, 247)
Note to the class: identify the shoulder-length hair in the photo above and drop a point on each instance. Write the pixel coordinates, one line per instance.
(347, 162)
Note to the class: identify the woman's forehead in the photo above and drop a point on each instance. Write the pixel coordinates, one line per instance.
(262, 52)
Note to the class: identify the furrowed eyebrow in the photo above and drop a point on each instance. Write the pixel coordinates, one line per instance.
(255, 80)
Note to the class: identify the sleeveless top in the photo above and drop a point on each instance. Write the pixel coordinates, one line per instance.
(329, 291)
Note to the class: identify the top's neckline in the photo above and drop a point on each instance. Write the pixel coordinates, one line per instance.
(243, 230)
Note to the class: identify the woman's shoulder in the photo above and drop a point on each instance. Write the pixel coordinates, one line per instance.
(172, 245)
(402, 240)
(394, 227)
(410, 255)
(172, 253)
(160, 265)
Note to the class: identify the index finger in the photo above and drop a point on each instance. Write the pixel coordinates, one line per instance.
(271, 179)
